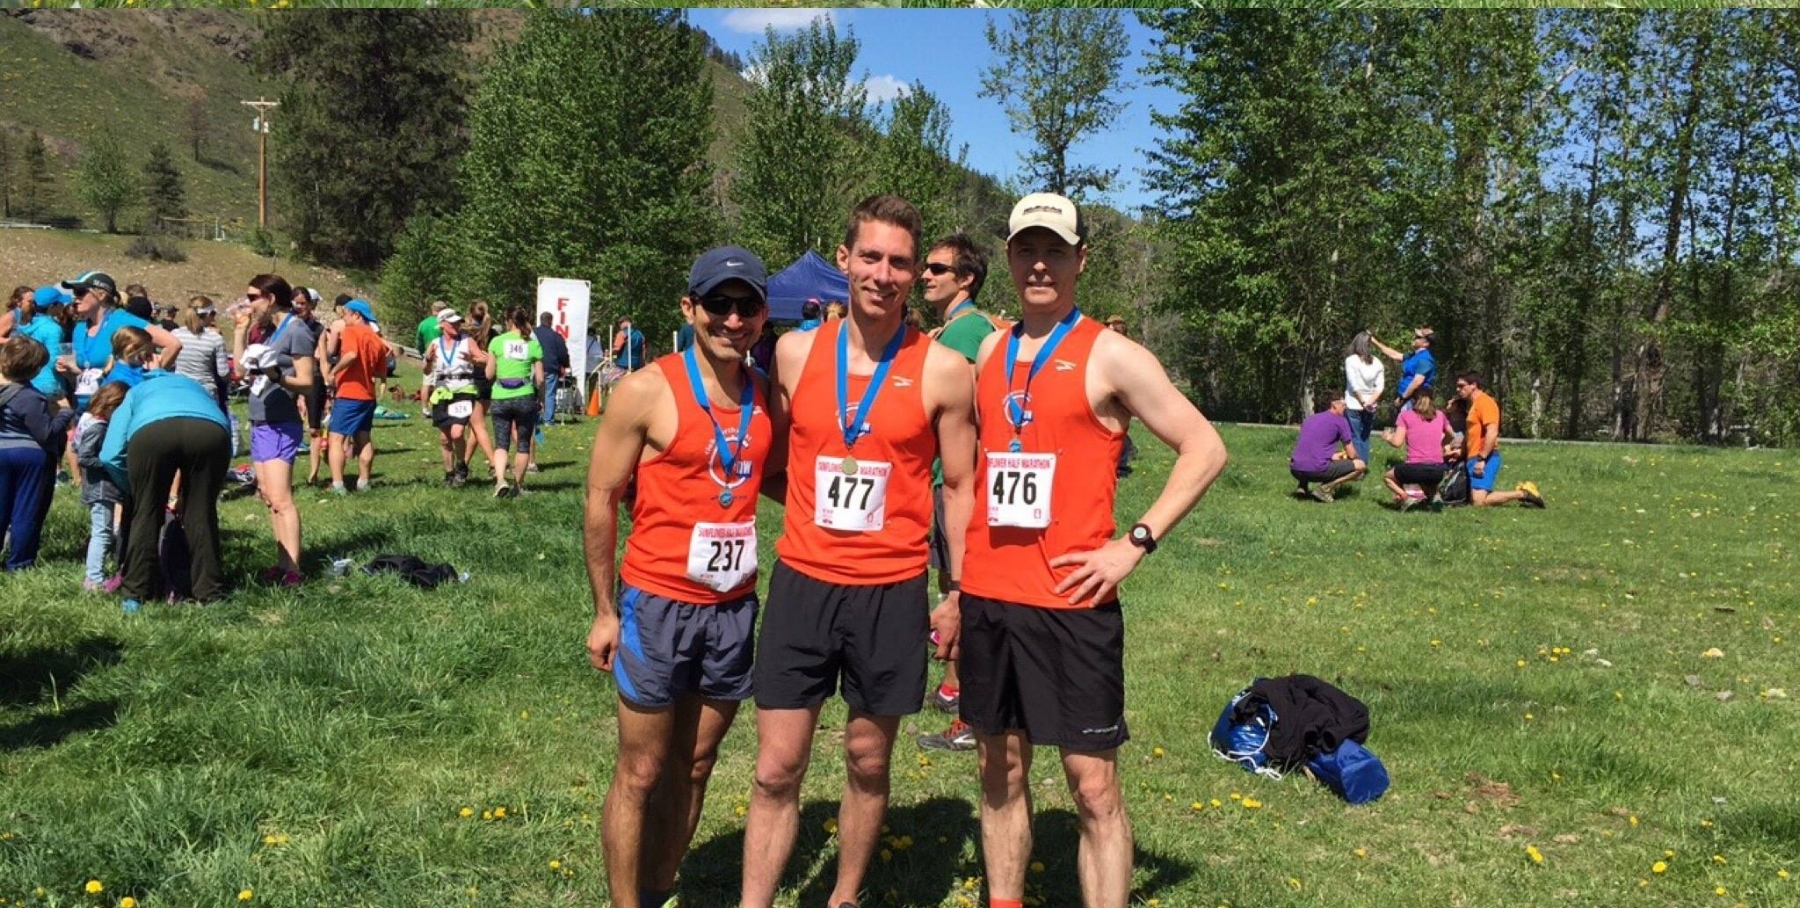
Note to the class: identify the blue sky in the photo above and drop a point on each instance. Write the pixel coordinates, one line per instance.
(946, 51)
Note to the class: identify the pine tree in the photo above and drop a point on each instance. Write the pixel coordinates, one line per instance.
(36, 183)
(913, 160)
(164, 196)
(371, 123)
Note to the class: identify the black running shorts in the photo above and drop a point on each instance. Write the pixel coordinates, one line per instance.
(814, 632)
(1058, 675)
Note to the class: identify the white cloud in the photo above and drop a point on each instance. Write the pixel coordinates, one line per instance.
(755, 21)
(884, 88)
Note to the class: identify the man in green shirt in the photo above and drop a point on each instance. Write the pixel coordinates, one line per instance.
(953, 274)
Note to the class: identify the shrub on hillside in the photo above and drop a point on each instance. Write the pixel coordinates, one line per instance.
(155, 249)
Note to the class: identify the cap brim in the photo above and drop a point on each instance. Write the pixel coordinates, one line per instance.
(705, 287)
(1068, 236)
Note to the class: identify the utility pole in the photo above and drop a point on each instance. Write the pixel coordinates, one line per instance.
(261, 125)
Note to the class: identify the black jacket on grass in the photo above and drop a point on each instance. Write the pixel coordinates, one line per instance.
(1311, 717)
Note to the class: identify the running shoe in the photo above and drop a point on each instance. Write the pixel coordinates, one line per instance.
(502, 491)
(275, 576)
(531, 467)
(243, 475)
(450, 479)
(1533, 498)
(1321, 494)
(946, 702)
(959, 736)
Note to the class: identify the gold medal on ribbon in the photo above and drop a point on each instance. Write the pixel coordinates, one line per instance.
(848, 466)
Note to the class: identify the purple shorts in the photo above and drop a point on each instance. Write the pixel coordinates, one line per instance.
(275, 441)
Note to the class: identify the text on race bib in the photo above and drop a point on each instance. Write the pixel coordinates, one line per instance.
(722, 556)
(856, 501)
(460, 409)
(516, 349)
(1018, 489)
(87, 382)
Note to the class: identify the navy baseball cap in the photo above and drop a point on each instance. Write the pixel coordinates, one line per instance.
(728, 263)
(91, 279)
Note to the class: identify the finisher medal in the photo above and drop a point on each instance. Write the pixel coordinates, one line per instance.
(725, 497)
(848, 466)
(1015, 446)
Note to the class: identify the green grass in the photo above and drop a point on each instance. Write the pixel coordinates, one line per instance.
(316, 746)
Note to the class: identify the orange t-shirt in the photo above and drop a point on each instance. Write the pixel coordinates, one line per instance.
(678, 515)
(1012, 563)
(895, 454)
(358, 381)
(1483, 412)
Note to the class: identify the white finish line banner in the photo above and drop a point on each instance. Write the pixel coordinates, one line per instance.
(567, 302)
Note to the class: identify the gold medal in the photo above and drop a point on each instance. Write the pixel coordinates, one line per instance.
(848, 466)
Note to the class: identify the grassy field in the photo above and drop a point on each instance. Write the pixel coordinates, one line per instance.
(1540, 684)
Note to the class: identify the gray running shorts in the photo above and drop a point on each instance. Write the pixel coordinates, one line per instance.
(669, 648)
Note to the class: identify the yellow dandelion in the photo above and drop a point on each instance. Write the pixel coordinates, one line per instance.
(1217, 803)
(1361, 852)
(886, 855)
(128, 902)
(1781, 874)
(245, 895)
(1156, 751)
(740, 810)
(1153, 903)
(94, 887)
(466, 812)
(1705, 824)
(1294, 883)
(487, 814)
(1250, 803)
(1038, 867)
(1520, 663)
(1633, 820)
(555, 864)
(1668, 853)
(1718, 859)
(1532, 852)
(499, 813)
(1659, 867)
(1197, 806)
(831, 827)
(1718, 890)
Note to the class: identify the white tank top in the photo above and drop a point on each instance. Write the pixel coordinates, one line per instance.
(453, 370)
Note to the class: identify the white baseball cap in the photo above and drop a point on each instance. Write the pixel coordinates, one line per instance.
(1048, 210)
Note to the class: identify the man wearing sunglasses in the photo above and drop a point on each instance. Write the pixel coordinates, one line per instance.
(674, 624)
(1418, 369)
(868, 404)
(955, 269)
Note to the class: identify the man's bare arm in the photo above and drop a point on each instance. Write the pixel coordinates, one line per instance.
(618, 444)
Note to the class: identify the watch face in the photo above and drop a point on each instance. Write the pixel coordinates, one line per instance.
(1140, 534)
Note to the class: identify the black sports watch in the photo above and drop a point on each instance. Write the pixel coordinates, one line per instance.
(1142, 538)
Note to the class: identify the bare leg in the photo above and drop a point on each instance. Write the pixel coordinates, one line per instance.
(1392, 483)
(275, 483)
(338, 455)
(699, 727)
(1105, 860)
(868, 745)
(1005, 812)
(365, 459)
(783, 751)
(644, 738)
(1483, 499)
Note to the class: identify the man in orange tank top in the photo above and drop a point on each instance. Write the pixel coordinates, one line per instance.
(694, 430)
(1043, 637)
(864, 405)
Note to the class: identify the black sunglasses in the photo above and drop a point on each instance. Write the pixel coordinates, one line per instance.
(939, 268)
(720, 306)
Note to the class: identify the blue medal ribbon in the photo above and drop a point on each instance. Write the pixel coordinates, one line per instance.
(1015, 414)
(853, 428)
(278, 330)
(728, 457)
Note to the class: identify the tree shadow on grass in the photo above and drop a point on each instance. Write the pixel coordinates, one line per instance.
(922, 873)
(34, 679)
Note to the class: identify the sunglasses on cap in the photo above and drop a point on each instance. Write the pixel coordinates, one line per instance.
(939, 268)
(719, 305)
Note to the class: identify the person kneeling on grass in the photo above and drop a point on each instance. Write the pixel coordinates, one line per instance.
(1481, 447)
(1325, 453)
(1424, 433)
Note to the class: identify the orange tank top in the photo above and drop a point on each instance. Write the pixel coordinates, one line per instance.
(1012, 563)
(861, 516)
(682, 536)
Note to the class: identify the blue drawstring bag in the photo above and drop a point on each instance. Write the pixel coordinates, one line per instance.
(1244, 742)
(1352, 771)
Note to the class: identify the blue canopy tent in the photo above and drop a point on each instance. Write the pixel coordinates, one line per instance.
(810, 277)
